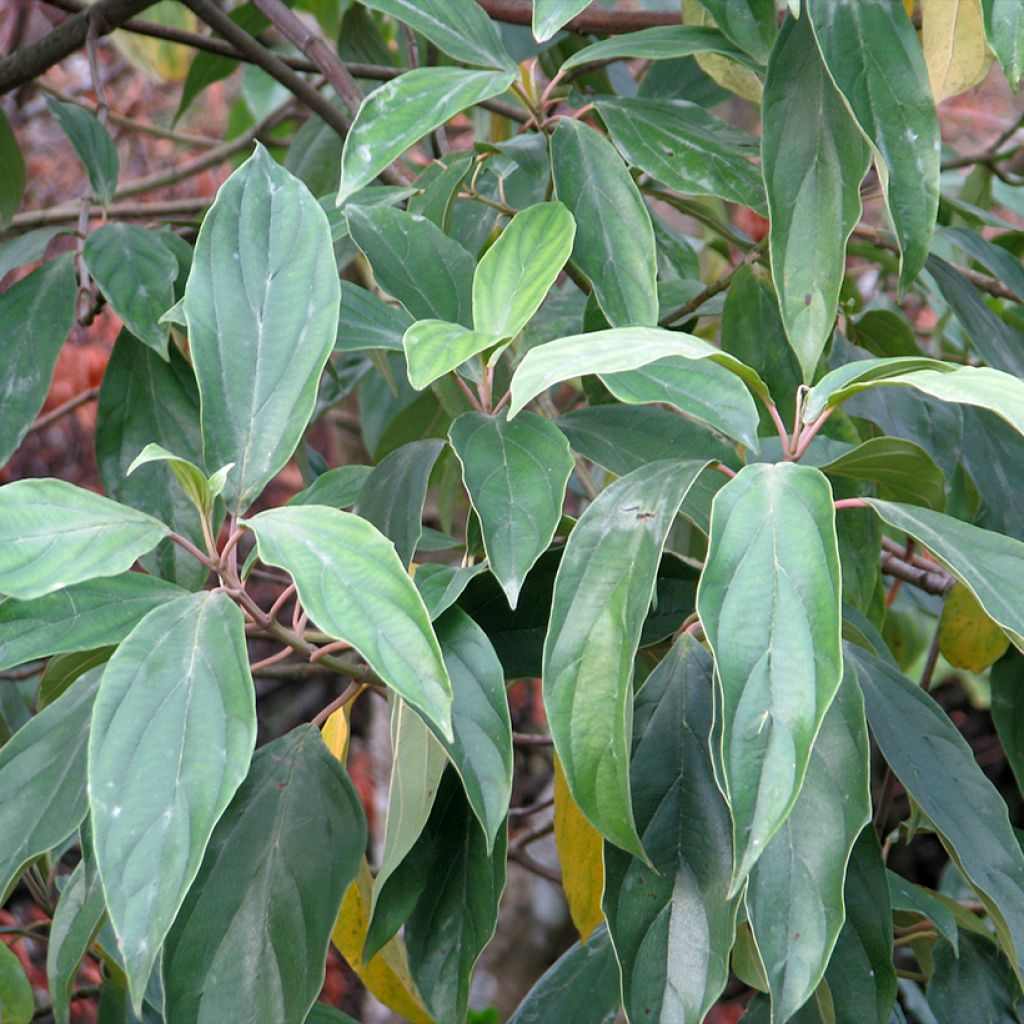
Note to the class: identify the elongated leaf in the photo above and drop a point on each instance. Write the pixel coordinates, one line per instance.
(436, 347)
(873, 56)
(173, 730)
(353, 585)
(986, 563)
(440, 586)
(581, 987)
(669, 42)
(967, 637)
(136, 273)
(38, 312)
(366, 321)
(684, 146)
(12, 174)
(795, 894)
(1004, 26)
(459, 27)
(904, 470)
(907, 896)
(581, 856)
(932, 759)
(416, 262)
(814, 160)
(516, 474)
(683, 822)
(602, 592)
(550, 15)
(53, 534)
(42, 780)
(1007, 682)
(955, 49)
(262, 311)
(295, 827)
(26, 248)
(993, 257)
(749, 23)
(974, 984)
(61, 671)
(777, 653)
(405, 109)
(614, 243)
(93, 145)
(82, 616)
(613, 351)
(17, 1001)
(337, 488)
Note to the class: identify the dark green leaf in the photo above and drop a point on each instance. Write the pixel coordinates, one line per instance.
(12, 174)
(366, 321)
(1001, 262)
(669, 42)
(907, 896)
(1007, 682)
(26, 248)
(315, 156)
(904, 470)
(748, 23)
(93, 144)
(17, 1001)
(974, 984)
(1004, 26)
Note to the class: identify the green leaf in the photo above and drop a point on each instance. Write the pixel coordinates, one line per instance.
(614, 245)
(146, 399)
(416, 262)
(93, 144)
(769, 602)
(516, 475)
(973, 983)
(994, 258)
(393, 494)
(748, 23)
(197, 486)
(904, 470)
(795, 893)
(136, 273)
(355, 587)
(399, 113)
(26, 248)
(245, 947)
(668, 42)
(460, 28)
(550, 15)
(683, 822)
(63, 669)
(17, 1001)
(42, 780)
(814, 160)
(581, 986)
(42, 306)
(873, 56)
(337, 488)
(1004, 26)
(684, 146)
(613, 351)
(262, 310)
(907, 896)
(53, 534)
(441, 586)
(516, 272)
(12, 174)
(602, 593)
(986, 563)
(173, 730)
(367, 322)
(314, 157)
(1007, 682)
(436, 347)
(934, 762)
(86, 615)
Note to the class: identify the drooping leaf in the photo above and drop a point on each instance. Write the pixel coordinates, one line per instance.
(973, 983)
(354, 586)
(262, 311)
(873, 56)
(668, 42)
(903, 469)
(367, 322)
(38, 312)
(136, 273)
(17, 1001)
(53, 534)
(12, 174)
(516, 473)
(795, 893)
(734, 75)
(93, 145)
(246, 946)
(777, 653)
(683, 821)
(968, 638)
(550, 15)
(955, 49)
(1004, 26)
(614, 245)
(402, 111)
(436, 347)
(602, 592)
(907, 896)
(814, 160)
(173, 730)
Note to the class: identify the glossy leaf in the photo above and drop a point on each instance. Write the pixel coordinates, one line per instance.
(93, 144)
(968, 638)
(602, 592)
(262, 311)
(42, 305)
(17, 1001)
(136, 273)
(669, 42)
(173, 730)
(614, 244)
(903, 470)
(550, 15)
(405, 109)
(814, 160)
(199, 488)
(355, 587)
(367, 322)
(873, 56)
(12, 174)
(955, 50)
(53, 534)
(1004, 26)
(581, 856)
(769, 602)
(436, 347)
(516, 473)
(295, 827)
(795, 894)
(679, 901)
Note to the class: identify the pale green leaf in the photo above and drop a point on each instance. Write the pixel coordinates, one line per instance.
(436, 347)
(192, 480)
(337, 488)
(1004, 26)
(441, 586)
(668, 42)
(93, 145)
(550, 15)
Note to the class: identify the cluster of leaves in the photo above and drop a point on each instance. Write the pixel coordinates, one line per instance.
(775, 481)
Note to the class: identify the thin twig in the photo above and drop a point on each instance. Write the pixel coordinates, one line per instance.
(525, 739)
(167, 209)
(47, 419)
(339, 702)
(928, 580)
(593, 20)
(523, 859)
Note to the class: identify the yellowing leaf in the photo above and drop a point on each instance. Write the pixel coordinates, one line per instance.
(955, 50)
(335, 733)
(582, 856)
(728, 73)
(387, 974)
(968, 638)
(157, 58)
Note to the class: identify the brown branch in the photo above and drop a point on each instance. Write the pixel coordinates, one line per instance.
(62, 410)
(523, 859)
(520, 12)
(930, 581)
(525, 739)
(165, 210)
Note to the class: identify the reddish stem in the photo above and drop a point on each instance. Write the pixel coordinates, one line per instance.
(850, 503)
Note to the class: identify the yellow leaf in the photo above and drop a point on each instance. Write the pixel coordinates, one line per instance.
(335, 733)
(968, 638)
(729, 74)
(955, 49)
(387, 974)
(581, 852)
(157, 58)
